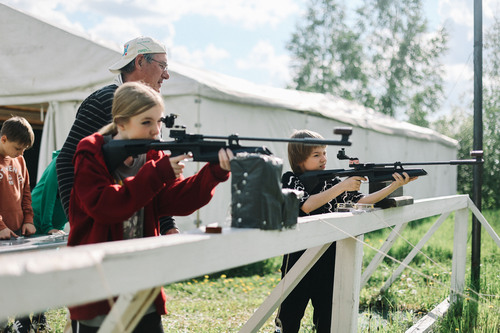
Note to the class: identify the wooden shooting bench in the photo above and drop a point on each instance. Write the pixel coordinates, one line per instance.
(134, 270)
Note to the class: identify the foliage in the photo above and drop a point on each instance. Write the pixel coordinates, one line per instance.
(382, 57)
(327, 53)
(459, 125)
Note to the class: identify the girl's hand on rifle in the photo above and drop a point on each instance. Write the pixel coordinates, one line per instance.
(225, 157)
(177, 165)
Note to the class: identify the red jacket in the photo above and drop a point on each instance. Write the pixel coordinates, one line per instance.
(98, 206)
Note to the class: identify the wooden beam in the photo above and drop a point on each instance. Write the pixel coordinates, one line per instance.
(484, 223)
(425, 323)
(415, 251)
(380, 255)
(283, 289)
(128, 311)
(459, 255)
(346, 286)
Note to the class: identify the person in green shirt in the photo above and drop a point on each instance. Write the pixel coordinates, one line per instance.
(49, 218)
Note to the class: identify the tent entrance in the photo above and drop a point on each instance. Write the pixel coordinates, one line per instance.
(35, 116)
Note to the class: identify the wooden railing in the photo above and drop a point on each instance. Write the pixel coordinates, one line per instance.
(133, 269)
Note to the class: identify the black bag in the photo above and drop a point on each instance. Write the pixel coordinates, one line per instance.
(257, 199)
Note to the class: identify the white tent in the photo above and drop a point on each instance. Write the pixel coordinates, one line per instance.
(42, 63)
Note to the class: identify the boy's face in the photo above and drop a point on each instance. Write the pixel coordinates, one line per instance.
(11, 148)
(316, 160)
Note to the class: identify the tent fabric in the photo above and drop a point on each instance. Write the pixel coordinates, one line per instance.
(218, 86)
(43, 63)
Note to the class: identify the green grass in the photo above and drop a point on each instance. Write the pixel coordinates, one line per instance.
(223, 302)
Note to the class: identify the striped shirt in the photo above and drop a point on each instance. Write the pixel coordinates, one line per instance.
(92, 115)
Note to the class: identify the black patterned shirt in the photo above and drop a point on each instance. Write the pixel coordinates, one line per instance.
(292, 181)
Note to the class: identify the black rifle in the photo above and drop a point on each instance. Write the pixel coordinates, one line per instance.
(377, 172)
(202, 150)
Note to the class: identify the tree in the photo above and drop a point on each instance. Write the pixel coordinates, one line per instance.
(327, 54)
(491, 118)
(383, 57)
(459, 125)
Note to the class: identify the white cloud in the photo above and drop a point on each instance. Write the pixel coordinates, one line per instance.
(458, 87)
(46, 10)
(491, 8)
(246, 13)
(117, 21)
(458, 73)
(263, 57)
(459, 11)
(201, 58)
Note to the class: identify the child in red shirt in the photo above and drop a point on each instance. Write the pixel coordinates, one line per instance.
(128, 202)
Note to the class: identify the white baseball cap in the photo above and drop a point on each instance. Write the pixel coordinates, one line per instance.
(131, 49)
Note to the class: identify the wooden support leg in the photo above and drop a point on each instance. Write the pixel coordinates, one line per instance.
(484, 223)
(128, 311)
(286, 285)
(346, 285)
(459, 255)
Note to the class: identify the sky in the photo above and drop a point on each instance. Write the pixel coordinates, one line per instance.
(246, 38)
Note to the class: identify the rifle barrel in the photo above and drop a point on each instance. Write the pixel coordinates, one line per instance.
(452, 162)
(308, 141)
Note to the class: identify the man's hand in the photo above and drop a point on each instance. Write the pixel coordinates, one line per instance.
(172, 231)
(56, 232)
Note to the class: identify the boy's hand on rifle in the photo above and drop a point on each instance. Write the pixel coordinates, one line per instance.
(225, 157)
(6, 233)
(352, 183)
(177, 165)
(400, 180)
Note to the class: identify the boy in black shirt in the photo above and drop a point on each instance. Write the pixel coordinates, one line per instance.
(317, 284)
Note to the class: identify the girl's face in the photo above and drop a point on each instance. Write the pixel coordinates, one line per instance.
(316, 160)
(146, 125)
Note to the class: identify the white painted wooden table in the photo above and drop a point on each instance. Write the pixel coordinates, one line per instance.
(134, 268)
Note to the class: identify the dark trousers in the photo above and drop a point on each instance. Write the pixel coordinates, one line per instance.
(150, 323)
(317, 286)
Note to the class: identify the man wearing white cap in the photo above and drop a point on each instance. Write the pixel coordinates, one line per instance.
(144, 59)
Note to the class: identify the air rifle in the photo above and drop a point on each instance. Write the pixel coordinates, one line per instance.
(377, 172)
(202, 150)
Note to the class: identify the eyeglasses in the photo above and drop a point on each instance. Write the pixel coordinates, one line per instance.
(163, 65)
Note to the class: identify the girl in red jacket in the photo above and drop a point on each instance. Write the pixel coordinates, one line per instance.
(128, 202)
